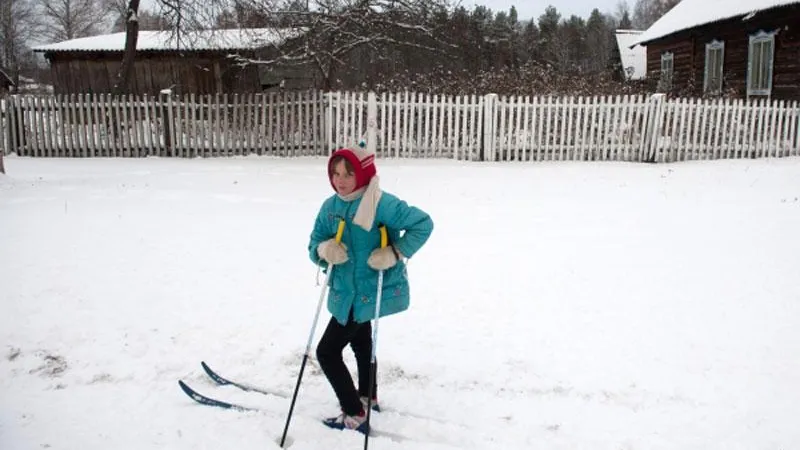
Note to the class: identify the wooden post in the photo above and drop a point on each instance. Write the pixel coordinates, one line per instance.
(4, 111)
(372, 122)
(651, 128)
(166, 118)
(6, 105)
(16, 125)
(489, 108)
(329, 124)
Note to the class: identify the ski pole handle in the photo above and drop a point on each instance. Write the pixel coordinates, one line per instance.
(340, 231)
(384, 236)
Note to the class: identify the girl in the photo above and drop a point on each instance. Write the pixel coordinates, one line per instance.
(358, 259)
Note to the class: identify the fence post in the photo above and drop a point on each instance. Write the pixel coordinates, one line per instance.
(4, 111)
(651, 130)
(3, 149)
(489, 109)
(329, 124)
(16, 126)
(372, 122)
(166, 118)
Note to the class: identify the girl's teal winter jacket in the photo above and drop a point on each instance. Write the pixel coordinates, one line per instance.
(353, 285)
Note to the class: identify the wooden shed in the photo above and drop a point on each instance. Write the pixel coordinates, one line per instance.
(740, 48)
(196, 62)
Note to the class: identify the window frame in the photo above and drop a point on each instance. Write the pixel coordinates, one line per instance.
(767, 63)
(666, 79)
(712, 47)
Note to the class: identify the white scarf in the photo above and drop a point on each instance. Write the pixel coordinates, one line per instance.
(371, 193)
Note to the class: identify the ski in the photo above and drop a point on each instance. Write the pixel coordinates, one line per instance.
(222, 381)
(208, 401)
(205, 400)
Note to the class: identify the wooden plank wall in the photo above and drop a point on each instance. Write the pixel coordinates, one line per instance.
(689, 50)
(203, 73)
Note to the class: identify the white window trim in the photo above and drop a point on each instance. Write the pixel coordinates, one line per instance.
(667, 56)
(758, 38)
(712, 46)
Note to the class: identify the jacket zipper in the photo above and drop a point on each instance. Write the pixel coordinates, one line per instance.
(353, 250)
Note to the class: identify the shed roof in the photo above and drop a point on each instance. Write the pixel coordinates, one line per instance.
(216, 40)
(694, 13)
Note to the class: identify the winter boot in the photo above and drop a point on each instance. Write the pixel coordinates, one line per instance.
(343, 421)
(375, 406)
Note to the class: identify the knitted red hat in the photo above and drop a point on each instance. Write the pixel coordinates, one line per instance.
(363, 163)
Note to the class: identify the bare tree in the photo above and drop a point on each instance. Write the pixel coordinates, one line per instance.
(188, 15)
(18, 27)
(70, 19)
(148, 19)
(129, 55)
(326, 36)
(647, 12)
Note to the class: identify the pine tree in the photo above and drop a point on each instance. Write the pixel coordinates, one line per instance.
(625, 22)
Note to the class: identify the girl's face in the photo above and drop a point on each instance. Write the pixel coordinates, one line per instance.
(344, 181)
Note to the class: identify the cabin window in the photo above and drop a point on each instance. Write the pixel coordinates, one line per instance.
(665, 83)
(715, 54)
(759, 63)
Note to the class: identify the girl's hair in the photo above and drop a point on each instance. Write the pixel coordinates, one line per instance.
(335, 161)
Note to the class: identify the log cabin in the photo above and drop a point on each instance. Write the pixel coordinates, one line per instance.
(736, 48)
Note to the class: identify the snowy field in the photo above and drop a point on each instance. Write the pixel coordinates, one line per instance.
(600, 306)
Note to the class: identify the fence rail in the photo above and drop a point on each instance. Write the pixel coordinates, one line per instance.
(404, 125)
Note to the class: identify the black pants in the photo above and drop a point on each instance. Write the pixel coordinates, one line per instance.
(329, 355)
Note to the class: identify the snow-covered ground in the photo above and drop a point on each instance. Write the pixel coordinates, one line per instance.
(556, 306)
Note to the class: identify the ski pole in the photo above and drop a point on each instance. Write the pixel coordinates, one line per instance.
(373, 369)
(339, 233)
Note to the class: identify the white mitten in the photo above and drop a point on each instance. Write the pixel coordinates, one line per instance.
(383, 258)
(333, 252)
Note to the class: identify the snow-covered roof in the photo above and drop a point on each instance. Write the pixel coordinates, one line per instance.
(236, 39)
(634, 57)
(693, 13)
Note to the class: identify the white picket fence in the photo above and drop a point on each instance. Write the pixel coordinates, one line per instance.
(401, 125)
